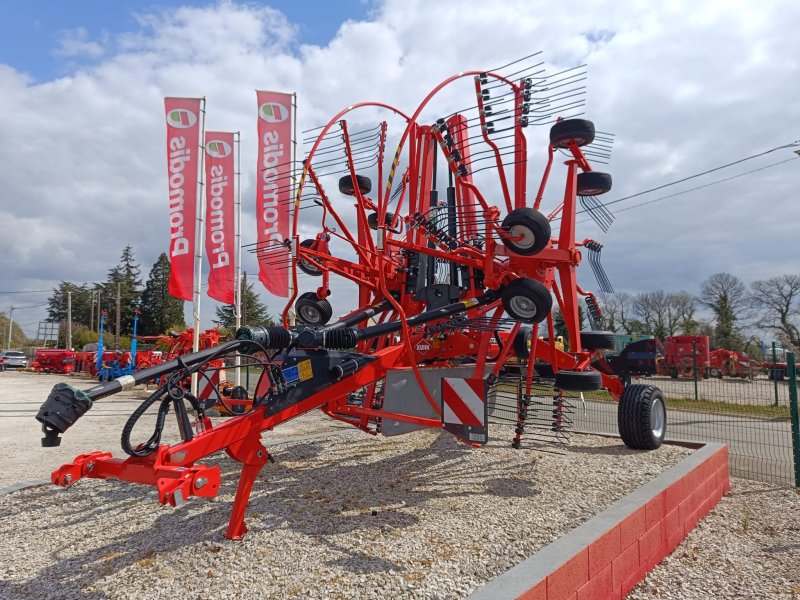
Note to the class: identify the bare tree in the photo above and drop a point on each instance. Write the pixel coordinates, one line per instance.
(727, 296)
(779, 301)
(618, 312)
(665, 314)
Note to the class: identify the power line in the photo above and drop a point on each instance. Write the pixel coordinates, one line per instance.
(700, 187)
(696, 175)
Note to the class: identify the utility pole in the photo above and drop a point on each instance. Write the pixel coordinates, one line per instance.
(10, 326)
(116, 334)
(99, 295)
(69, 320)
(91, 311)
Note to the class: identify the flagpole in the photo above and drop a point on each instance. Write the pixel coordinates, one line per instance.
(237, 290)
(199, 238)
(294, 189)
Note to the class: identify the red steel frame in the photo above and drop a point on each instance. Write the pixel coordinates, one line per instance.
(378, 273)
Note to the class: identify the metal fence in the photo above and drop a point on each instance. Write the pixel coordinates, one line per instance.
(756, 416)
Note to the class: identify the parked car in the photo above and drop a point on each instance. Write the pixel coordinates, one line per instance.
(2, 364)
(13, 359)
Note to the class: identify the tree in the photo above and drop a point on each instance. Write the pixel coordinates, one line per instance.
(254, 312)
(778, 299)
(126, 274)
(18, 337)
(618, 313)
(82, 305)
(560, 327)
(160, 310)
(664, 314)
(727, 297)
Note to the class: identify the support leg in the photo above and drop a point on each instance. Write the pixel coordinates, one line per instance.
(253, 455)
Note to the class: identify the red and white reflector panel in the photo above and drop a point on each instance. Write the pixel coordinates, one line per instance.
(464, 409)
(207, 390)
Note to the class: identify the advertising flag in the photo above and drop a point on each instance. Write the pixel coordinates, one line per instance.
(220, 231)
(183, 133)
(273, 185)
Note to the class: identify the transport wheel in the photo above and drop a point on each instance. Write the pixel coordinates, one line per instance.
(372, 220)
(673, 372)
(579, 131)
(522, 343)
(598, 340)
(578, 381)
(527, 300)
(304, 265)
(311, 310)
(348, 189)
(715, 372)
(593, 183)
(530, 230)
(642, 417)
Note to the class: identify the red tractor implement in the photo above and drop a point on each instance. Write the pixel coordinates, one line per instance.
(452, 293)
(53, 360)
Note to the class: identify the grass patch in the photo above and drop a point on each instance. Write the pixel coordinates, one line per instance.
(763, 411)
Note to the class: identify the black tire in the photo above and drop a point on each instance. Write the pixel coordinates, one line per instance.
(642, 417)
(598, 340)
(715, 372)
(579, 131)
(348, 189)
(526, 300)
(529, 224)
(305, 266)
(776, 374)
(372, 220)
(578, 381)
(311, 310)
(522, 343)
(593, 183)
(673, 372)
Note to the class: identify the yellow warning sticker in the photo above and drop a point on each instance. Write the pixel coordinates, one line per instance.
(470, 302)
(304, 370)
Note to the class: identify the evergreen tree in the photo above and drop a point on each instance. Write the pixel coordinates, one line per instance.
(160, 310)
(126, 274)
(254, 312)
(727, 297)
(82, 305)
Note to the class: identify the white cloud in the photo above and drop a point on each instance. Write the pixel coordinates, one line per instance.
(75, 43)
(684, 86)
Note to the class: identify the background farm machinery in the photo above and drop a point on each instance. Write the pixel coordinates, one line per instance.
(453, 295)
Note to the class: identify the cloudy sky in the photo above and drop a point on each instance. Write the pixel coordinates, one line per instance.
(685, 87)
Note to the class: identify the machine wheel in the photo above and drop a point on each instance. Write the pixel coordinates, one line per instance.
(531, 227)
(527, 300)
(348, 189)
(578, 381)
(522, 343)
(305, 266)
(776, 374)
(715, 372)
(673, 372)
(372, 220)
(593, 183)
(598, 340)
(579, 131)
(311, 310)
(642, 417)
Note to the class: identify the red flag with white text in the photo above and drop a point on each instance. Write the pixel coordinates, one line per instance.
(183, 149)
(220, 231)
(273, 189)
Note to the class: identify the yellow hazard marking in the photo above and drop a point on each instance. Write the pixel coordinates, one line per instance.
(471, 302)
(304, 370)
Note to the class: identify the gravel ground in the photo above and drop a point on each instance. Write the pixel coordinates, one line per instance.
(747, 547)
(417, 516)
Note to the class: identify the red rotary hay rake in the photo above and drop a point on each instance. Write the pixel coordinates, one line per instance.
(428, 342)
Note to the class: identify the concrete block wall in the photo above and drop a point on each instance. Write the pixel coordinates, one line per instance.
(607, 556)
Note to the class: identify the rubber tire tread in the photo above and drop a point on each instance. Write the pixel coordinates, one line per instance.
(578, 381)
(521, 349)
(325, 308)
(534, 291)
(593, 183)
(568, 130)
(598, 340)
(535, 222)
(347, 188)
(633, 417)
(307, 268)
